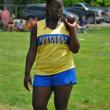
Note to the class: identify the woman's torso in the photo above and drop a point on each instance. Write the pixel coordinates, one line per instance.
(53, 55)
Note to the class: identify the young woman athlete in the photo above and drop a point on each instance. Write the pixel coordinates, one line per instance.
(51, 46)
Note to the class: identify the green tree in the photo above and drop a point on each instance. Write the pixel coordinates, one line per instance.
(88, 1)
(101, 2)
(70, 2)
(7, 1)
(66, 2)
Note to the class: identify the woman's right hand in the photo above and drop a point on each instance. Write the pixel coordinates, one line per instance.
(27, 82)
(31, 55)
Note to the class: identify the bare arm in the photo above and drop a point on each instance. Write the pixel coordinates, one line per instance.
(74, 42)
(31, 55)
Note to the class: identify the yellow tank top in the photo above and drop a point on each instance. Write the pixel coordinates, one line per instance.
(53, 54)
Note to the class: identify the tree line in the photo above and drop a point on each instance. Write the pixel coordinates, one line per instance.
(66, 2)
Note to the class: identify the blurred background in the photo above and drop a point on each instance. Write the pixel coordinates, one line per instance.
(92, 62)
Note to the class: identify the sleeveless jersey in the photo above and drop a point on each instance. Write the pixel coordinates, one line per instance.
(53, 53)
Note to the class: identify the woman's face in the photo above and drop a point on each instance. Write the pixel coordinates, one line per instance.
(55, 8)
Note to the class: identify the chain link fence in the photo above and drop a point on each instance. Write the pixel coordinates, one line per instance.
(15, 10)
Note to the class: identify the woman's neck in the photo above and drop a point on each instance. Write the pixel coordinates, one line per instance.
(53, 22)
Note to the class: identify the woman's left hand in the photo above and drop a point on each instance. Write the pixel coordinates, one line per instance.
(71, 26)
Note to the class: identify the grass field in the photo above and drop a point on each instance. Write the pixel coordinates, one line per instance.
(93, 72)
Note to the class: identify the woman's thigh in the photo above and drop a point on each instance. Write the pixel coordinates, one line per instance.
(61, 96)
(41, 96)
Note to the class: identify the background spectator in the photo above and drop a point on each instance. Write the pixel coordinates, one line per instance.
(5, 17)
(0, 14)
(29, 24)
(11, 25)
(20, 25)
(83, 24)
(0, 17)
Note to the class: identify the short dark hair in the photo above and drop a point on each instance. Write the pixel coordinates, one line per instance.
(50, 1)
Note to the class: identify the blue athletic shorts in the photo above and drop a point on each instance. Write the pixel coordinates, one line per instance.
(62, 78)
